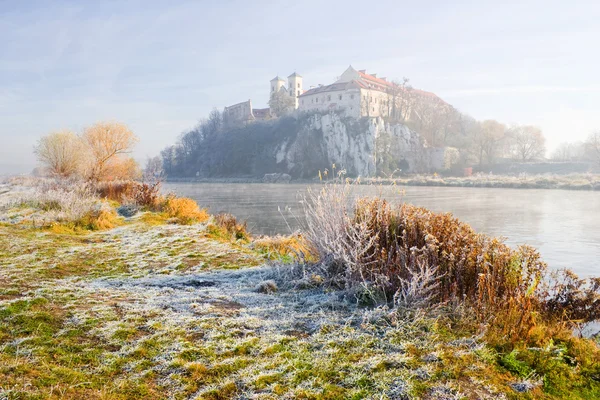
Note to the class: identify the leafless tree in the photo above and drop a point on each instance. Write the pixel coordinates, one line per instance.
(153, 171)
(61, 153)
(592, 146)
(567, 151)
(487, 141)
(527, 143)
(107, 143)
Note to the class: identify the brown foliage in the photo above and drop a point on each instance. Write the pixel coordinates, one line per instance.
(142, 194)
(408, 252)
(230, 226)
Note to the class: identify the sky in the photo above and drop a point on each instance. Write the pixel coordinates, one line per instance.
(161, 66)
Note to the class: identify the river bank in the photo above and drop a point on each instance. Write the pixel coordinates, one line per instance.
(523, 181)
(153, 309)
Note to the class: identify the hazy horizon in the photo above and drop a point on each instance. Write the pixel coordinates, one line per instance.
(161, 68)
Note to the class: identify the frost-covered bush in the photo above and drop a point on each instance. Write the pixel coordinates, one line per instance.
(418, 258)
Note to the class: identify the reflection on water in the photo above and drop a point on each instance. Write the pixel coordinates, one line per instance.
(563, 225)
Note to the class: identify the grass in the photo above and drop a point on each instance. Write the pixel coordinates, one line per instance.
(154, 310)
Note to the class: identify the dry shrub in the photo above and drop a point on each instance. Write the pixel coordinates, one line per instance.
(184, 210)
(99, 219)
(416, 258)
(119, 191)
(227, 226)
(145, 195)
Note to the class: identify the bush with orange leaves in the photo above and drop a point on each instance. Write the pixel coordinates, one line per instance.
(184, 210)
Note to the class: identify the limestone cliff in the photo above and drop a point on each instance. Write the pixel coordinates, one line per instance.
(301, 145)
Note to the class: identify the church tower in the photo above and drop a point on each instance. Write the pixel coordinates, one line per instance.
(276, 84)
(295, 86)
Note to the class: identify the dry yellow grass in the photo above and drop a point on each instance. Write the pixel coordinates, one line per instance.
(185, 210)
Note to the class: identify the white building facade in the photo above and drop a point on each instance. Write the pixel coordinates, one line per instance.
(356, 93)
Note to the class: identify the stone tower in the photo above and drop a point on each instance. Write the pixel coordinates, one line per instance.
(295, 86)
(276, 84)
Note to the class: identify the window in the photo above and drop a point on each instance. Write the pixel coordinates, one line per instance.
(317, 100)
(373, 109)
(302, 101)
(272, 88)
(352, 96)
(329, 98)
(340, 96)
(298, 85)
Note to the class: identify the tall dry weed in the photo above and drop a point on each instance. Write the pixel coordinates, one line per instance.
(416, 257)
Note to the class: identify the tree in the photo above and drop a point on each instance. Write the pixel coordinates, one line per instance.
(400, 104)
(108, 142)
(61, 153)
(487, 140)
(153, 171)
(527, 143)
(281, 103)
(592, 147)
(567, 151)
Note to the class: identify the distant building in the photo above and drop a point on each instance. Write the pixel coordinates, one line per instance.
(359, 94)
(356, 94)
(243, 113)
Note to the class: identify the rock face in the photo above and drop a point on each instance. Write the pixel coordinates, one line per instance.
(353, 145)
(301, 145)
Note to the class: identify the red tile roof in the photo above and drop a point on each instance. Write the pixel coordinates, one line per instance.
(374, 80)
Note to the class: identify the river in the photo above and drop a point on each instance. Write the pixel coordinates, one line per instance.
(563, 225)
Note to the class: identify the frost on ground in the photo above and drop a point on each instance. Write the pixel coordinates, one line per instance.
(170, 312)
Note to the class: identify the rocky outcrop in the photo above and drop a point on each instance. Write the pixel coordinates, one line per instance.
(301, 145)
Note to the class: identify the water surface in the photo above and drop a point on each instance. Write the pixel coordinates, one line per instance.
(564, 225)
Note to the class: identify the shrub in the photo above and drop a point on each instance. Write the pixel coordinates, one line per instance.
(226, 226)
(99, 219)
(419, 258)
(184, 210)
(146, 195)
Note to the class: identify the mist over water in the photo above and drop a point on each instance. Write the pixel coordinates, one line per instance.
(563, 225)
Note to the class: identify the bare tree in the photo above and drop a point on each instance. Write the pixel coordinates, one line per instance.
(592, 146)
(400, 98)
(567, 151)
(61, 153)
(487, 141)
(153, 171)
(281, 103)
(107, 143)
(527, 143)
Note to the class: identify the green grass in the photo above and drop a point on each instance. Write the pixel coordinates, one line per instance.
(63, 339)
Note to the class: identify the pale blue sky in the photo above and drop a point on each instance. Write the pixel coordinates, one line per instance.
(160, 66)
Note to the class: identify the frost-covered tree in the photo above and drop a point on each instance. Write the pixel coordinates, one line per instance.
(61, 153)
(108, 143)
